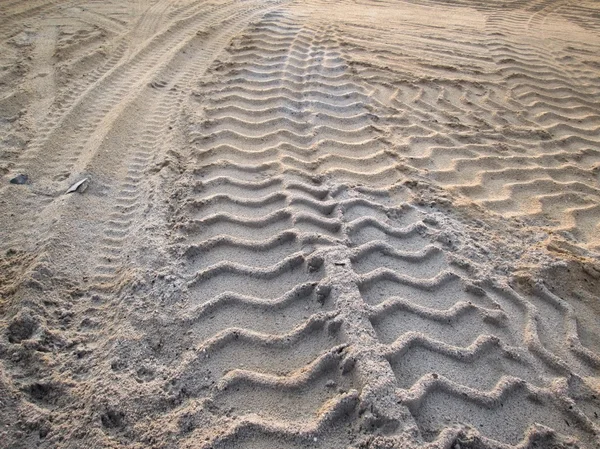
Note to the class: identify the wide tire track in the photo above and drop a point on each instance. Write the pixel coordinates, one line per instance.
(311, 299)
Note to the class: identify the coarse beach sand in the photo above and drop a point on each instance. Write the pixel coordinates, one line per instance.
(278, 224)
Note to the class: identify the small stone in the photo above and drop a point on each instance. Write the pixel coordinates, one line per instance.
(20, 179)
(79, 186)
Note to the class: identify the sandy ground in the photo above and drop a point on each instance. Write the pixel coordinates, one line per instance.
(306, 224)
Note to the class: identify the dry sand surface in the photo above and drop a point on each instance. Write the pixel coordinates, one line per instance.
(306, 224)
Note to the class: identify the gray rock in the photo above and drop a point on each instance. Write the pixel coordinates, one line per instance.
(20, 179)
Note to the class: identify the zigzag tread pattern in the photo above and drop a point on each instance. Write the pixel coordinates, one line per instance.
(509, 119)
(313, 302)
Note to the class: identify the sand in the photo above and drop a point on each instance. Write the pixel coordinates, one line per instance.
(306, 224)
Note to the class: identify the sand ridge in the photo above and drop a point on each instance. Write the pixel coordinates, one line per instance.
(308, 224)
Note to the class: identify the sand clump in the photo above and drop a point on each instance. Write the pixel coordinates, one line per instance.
(300, 224)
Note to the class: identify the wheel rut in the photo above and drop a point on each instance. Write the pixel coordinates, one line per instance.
(395, 336)
(307, 225)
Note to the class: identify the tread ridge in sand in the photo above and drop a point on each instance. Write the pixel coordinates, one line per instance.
(98, 119)
(163, 114)
(449, 110)
(379, 315)
(302, 292)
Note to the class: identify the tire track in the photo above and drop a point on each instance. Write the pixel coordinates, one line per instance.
(92, 114)
(163, 106)
(390, 323)
(500, 130)
(262, 258)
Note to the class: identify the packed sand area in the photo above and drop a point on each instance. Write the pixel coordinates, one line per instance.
(300, 224)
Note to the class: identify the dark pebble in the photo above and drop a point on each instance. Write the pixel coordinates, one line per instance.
(20, 179)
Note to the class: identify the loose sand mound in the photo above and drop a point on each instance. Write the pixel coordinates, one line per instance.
(305, 224)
